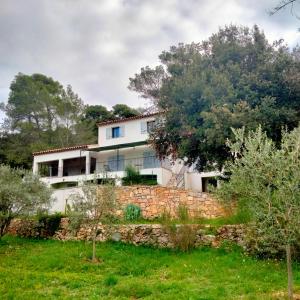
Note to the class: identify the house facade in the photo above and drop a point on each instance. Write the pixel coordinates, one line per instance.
(120, 143)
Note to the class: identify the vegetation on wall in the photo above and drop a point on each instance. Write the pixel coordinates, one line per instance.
(132, 212)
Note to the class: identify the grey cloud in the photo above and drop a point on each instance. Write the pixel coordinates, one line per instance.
(97, 45)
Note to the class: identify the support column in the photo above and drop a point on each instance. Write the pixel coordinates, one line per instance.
(60, 168)
(87, 163)
(35, 169)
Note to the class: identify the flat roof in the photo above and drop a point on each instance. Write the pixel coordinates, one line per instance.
(127, 119)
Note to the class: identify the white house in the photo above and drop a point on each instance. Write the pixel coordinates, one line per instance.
(120, 143)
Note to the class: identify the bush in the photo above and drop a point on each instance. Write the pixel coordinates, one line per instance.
(132, 212)
(132, 176)
(182, 236)
(49, 224)
(183, 213)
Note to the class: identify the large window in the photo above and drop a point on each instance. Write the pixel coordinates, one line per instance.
(150, 160)
(115, 163)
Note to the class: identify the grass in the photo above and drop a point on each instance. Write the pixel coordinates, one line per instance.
(48, 269)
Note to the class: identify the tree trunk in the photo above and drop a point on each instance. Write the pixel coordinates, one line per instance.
(289, 271)
(94, 248)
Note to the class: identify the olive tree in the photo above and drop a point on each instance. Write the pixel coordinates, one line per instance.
(21, 194)
(93, 205)
(265, 181)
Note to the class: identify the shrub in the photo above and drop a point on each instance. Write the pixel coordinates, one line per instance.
(132, 212)
(132, 176)
(49, 224)
(183, 213)
(182, 236)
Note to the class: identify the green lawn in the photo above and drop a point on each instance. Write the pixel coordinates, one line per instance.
(47, 269)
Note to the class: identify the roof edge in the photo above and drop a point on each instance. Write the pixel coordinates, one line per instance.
(99, 124)
(56, 150)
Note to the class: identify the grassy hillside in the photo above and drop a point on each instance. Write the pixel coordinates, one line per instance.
(46, 269)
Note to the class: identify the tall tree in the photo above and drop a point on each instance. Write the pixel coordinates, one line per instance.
(234, 78)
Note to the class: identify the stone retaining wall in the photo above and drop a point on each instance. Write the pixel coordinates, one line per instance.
(156, 200)
(156, 235)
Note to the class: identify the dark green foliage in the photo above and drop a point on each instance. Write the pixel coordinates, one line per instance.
(132, 212)
(49, 224)
(42, 114)
(132, 176)
(234, 78)
(123, 111)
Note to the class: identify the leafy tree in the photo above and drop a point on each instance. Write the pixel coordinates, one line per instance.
(94, 205)
(265, 182)
(41, 114)
(21, 194)
(235, 78)
(122, 111)
(94, 114)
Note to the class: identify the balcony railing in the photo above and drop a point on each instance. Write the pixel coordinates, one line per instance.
(139, 163)
(111, 165)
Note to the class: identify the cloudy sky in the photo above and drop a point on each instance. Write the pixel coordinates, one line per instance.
(96, 45)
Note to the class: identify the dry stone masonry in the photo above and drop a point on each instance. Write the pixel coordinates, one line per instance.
(156, 200)
(138, 234)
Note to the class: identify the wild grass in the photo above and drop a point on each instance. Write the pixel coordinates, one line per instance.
(48, 269)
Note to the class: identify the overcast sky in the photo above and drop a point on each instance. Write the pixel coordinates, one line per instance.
(96, 45)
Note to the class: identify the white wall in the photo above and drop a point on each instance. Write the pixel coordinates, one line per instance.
(132, 132)
(60, 197)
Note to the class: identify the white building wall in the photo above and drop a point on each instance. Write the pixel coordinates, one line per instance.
(132, 133)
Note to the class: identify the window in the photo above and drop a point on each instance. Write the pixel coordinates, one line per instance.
(150, 160)
(150, 126)
(115, 163)
(147, 127)
(115, 133)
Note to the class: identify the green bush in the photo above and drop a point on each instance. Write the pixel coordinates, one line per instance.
(132, 176)
(132, 212)
(49, 224)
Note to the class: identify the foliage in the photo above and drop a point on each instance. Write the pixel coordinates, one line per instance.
(235, 78)
(132, 212)
(123, 111)
(93, 205)
(132, 176)
(265, 181)
(49, 223)
(183, 213)
(21, 194)
(42, 114)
